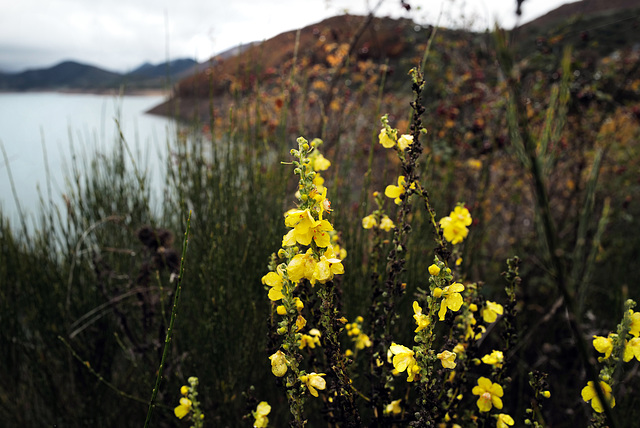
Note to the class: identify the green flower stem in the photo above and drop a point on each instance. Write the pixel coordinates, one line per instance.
(174, 312)
(335, 356)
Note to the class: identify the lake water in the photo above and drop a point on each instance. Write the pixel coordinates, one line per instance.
(31, 123)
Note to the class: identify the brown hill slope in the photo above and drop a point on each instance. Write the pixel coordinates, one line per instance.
(584, 7)
(320, 51)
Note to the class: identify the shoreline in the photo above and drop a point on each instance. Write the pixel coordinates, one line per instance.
(114, 92)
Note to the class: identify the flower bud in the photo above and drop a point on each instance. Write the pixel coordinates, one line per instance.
(434, 270)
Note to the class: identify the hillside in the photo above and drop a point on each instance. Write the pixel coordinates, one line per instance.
(321, 48)
(601, 26)
(595, 26)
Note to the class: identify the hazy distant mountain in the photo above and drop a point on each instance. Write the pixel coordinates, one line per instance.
(66, 75)
(173, 68)
(71, 75)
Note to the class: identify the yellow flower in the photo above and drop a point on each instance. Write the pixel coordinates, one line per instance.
(491, 311)
(405, 141)
(278, 363)
(319, 162)
(394, 192)
(504, 420)
(340, 252)
(403, 359)
(327, 267)
(393, 408)
(459, 348)
(495, 358)
(318, 180)
(275, 281)
(299, 219)
(260, 414)
(184, 390)
(634, 328)
(387, 139)
(632, 349)
(454, 231)
(281, 310)
(604, 345)
(369, 222)
(448, 359)
(184, 408)
(421, 319)
(589, 394)
(434, 270)
(462, 215)
(323, 202)
(386, 223)
(363, 341)
(314, 381)
(301, 266)
(311, 340)
(451, 298)
(489, 393)
(300, 322)
(475, 164)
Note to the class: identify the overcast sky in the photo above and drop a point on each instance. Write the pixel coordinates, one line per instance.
(120, 35)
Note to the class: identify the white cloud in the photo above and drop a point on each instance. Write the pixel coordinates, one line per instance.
(121, 34)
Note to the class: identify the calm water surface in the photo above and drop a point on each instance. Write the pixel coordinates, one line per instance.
(32, 124)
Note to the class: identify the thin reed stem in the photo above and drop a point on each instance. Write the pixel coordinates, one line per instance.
(13, 189)
(174, 312)
(533, 162)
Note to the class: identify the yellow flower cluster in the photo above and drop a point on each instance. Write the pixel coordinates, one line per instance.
(189, 404)
(260, 414)
(388, 137)
(454, 226)
(370, 222)
(307, 266)
(630, 345)
(305, 229)
(354, 331)
(311, 340)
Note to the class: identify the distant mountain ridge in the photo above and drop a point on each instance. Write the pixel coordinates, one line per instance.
(72, 75)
